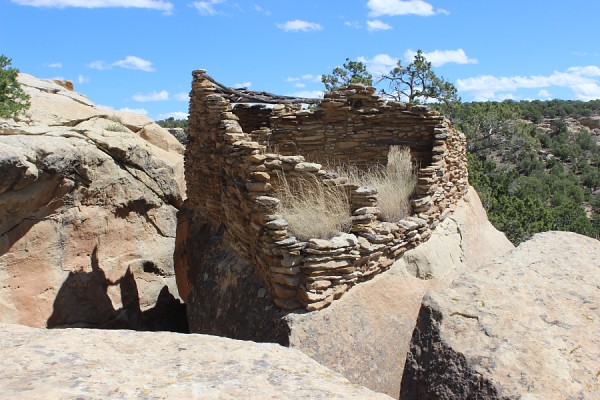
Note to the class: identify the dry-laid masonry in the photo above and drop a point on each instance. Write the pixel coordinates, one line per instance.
(239, 150)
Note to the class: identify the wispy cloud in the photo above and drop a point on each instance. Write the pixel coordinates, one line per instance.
(309, 94)
(261, 10)
(82, 79)
(243, 85)
(377, 25)
(133, 62)
(183, 96)
(99, 65)
(206, 7)
(379, 64)
(441, 57)
(402, 7)
(174, 114)
(583, 81)
(165, 6)
(352, 24)
(129, 62)
(163, 95)
(298, 25)
(54, 65)
(135, 110)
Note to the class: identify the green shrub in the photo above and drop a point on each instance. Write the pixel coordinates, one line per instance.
(13, 100)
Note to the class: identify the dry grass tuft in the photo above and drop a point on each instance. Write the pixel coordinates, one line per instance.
(395, 182)
(312, 209)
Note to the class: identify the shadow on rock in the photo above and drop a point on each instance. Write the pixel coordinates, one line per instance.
(83, 302)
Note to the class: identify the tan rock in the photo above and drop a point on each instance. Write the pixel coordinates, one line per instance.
(78, 363)
(87, 215)
(524, 326)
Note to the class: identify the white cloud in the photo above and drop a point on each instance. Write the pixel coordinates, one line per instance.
(174, 114)
(583, 81)
(401, 7)
(163, 95)
(261, 10)
(82, 79)
(129, 62)
(160, 5)
(243, 85)
(135, 110)
(380, 64)
(544, 94)
(133, 62)
(309, 94)
(590, 70)
(377, 25)
(183, 96)
(441, 57)
(298, 25)
(352, 24)
(206, 7)
(55, 65)
(99, 65)
(301, 81)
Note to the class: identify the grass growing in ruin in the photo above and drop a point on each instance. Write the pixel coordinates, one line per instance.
(395, 182)
(312, 209)
(315, 210)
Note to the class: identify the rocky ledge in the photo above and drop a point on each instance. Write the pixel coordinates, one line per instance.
(522, 327)
(78, 363)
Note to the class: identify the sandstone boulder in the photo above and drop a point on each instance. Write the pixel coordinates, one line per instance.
(88, 206)
(524, 326)
(365, 335)
(75, 363)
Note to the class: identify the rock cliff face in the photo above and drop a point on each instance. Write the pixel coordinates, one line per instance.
(76, 363)
(88, 198)
(524, 326)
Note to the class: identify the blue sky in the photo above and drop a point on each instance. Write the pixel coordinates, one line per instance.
(139, 54)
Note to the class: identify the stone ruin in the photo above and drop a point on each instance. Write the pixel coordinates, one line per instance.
(238, 145)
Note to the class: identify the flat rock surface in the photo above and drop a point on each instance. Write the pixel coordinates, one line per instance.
(526, 326)
(88, 363)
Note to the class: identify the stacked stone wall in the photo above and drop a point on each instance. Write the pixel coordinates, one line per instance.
(236, 155)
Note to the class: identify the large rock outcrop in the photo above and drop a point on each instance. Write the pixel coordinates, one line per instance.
(365, 335)
(75, 363)
(88, 198)
(524, 326)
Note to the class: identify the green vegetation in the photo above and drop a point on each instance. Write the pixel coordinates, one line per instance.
(116, 125)
(350, 72)
(413, 83)
(533, 178)
(417, 82)
(13, 100)
(173, 123)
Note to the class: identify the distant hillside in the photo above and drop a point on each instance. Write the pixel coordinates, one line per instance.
(536, 165)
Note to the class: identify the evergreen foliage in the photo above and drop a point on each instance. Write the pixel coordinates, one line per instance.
(13, 100)
(350, 72)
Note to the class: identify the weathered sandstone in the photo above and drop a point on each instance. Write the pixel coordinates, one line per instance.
(93, 364)
(88, 198)
(524, 326)
(365, 335)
